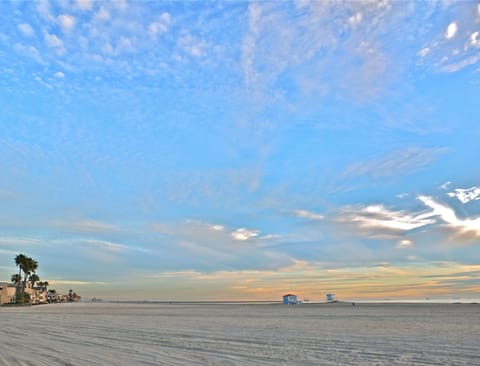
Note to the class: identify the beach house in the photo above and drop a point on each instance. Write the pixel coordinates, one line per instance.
(37, 294)
(290, 299)
(8, 293)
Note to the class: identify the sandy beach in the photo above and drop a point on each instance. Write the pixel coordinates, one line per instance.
(240, 334)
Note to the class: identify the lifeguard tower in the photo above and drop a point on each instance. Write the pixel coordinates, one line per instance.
(290, 299)
(331, 298)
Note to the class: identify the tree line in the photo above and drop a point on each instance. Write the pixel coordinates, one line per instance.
(27, 273)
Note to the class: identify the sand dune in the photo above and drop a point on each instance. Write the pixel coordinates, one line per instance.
(163, 334)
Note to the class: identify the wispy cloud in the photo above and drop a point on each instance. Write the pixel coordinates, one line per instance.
(456, 47)
(66, 22)
(378, 221)
(26, 29)
(308, 215)
(244, 234)
(313, 280)
(102, 14)
(19, 241)
(406, 161)
(54, 42)
(106, 245)
(161, 25)
(43, 8)
(213, 245)
(89, 226)
(29, 51)
(464, 228)
(75, 282)
(466, 195)
(304, 40)
(451, 30)
(445, 185)
(404, 243)
(459, 65)
(84, 4)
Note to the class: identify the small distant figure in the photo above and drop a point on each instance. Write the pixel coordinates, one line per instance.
(353, 303)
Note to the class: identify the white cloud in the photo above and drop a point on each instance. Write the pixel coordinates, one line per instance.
(59, 75)
(466, 227)
(404, 161)
(466, 195)
(193, 46)
(19, 241)
(270, 237)
(160, 26)
(30, 51)
(54, 42)
(475, 39)
(107, 49)
(26, 29)
(156, 28)
(405, 243)
(445, 185)
(439, 210)
(86, 226)
(340, 43)
(377, 217)
(308, 215)
(107, 245)
(74, 282)
(121, 5)
(40, 80)
(243, 234)
(355, 19)
(165, 18)
(125, 44)
(249, 44)
(84, 4)
(102, 14)
(67, 22)
(451, 30)
(454, 67)
(43, 8)
(217, 227)
(423, 52)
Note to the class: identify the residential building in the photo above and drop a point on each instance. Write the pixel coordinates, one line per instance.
(8, 292)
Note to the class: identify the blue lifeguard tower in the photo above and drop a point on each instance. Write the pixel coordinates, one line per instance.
(290, 299)
(331, 297)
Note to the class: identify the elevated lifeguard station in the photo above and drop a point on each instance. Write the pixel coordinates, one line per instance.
(290, 299)
(331, 297)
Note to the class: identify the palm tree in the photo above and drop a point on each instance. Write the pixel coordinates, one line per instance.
(16, 278)
(26, 265)
(45, 285)
(30, 266)
(70, 295)
(20, 261)
(33, 278)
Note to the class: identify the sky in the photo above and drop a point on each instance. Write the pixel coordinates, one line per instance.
(235, 150)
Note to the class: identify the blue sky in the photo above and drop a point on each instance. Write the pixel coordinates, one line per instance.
(240, 150)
